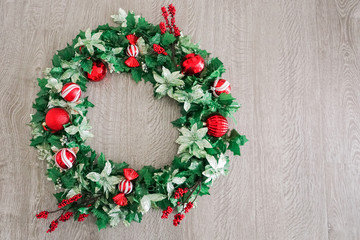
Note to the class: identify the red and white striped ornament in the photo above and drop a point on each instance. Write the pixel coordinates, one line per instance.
(220, 86)
(71, 92)
(217, 125)
(132, 50)
(65, 158)
(125, 186)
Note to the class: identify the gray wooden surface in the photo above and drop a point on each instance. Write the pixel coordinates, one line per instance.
(294, 66)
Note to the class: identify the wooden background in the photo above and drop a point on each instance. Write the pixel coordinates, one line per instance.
(294, 66)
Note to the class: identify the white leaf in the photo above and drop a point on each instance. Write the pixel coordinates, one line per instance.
(179, 180)
(187, 106)
(107, 168)
(117, 50)
(212, 161)
(71, 129)
(96, 36)
(93, 176)
(145, 204)
(88, 33)
(100, 46)
(169, 188)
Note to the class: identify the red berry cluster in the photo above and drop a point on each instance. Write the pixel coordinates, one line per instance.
(180, 192)
(65, 202)
(82, 217)
(166, 212)
(66, 216)
(177, 219)
(54, 224)
(158, 49)
(189, 206)
(172, 28)
(162, 27)
(43, 214)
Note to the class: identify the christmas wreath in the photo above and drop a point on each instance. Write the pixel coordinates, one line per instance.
(87, 183)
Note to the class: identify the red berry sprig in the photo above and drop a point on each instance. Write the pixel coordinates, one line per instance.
(180, 192)
(159, 50)
(82, 217)
(166, 212)
(66, 202)
(66, 216)
(178, 218)
(54, 224)
(43, 214)
(189, 206)
(172, 27)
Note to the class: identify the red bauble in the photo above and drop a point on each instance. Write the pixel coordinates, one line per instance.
(71, 92)
(55, 119)
(98, 71)
(221, 86)
(65, 158)
(192, 64)
(217, 125)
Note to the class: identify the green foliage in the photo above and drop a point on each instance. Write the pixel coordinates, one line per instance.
(201, 158)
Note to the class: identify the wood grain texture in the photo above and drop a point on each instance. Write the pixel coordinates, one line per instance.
(292, 64)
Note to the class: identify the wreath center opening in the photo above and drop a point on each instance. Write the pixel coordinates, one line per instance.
(130, 124)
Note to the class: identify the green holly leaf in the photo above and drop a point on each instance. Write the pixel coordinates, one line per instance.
(130, 21)
(147, 173)
(37, 141)
(155, 39)
(236, 140)
(167, 39)
(86, 65)
(225, 99)
(136, 74)
(55, 141)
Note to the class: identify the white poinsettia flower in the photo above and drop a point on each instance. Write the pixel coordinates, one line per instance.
(215, 167)
(90, 41)
(189, 97)
(167, 81)
(54, 84)
(120, 18)
(83, 129)
(193, 141)
(104, 179)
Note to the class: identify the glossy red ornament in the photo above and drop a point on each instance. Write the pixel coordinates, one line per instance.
(192, 64)
(217, 125)
(71, 92)
(98, 71)
(221, 86)
(65, 158)
(55, 119)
